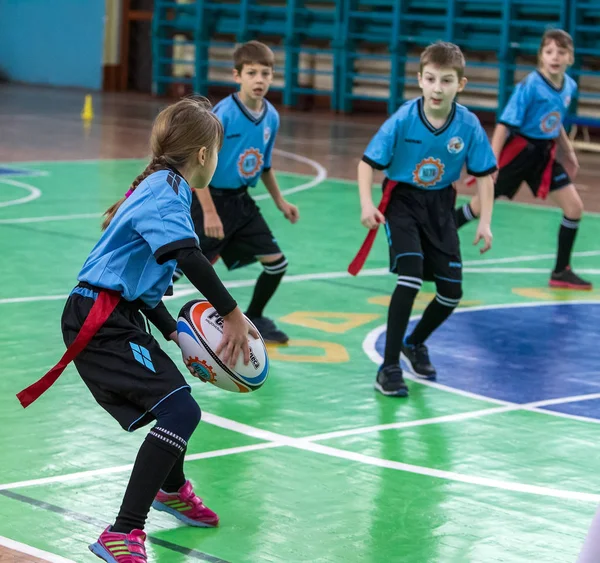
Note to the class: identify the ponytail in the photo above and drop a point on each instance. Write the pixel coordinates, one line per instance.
(156, 164)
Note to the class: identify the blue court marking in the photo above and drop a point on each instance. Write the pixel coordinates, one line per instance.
(18, 172)
(588, 409)
(521, 354)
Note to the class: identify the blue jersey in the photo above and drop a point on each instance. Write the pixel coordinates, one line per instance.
(131, 256)
(537, 108)
(248, 143)
(410, 150)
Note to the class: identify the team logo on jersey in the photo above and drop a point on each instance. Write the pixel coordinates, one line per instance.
(455, 145)
(267, 134)
(428, 172)
(250, 163)
(550, 122)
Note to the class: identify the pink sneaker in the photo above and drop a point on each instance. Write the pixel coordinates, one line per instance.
(120, 548)
(186, 506)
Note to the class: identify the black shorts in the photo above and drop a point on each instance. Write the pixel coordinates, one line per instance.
(247, 235)
(528, 166)
(421, 223)
(123, 365)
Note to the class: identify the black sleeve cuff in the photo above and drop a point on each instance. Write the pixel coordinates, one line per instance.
(266, 169)
(169, 251)
(374, 164)
(484, 173)
(161, 319)
(507, 124)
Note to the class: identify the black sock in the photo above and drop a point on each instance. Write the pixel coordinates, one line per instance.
(176, 479)
(398, 315)
(463, 215)
(266, 285)
(155, 460)
(566, 239)
(435, 314)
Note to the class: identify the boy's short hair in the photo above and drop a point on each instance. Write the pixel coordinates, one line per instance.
(560, 37)
(446, 55)
(253, 52)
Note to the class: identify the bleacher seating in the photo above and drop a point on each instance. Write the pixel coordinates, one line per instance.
(349, 50)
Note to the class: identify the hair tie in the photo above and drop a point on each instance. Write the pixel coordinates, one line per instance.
(129, 192)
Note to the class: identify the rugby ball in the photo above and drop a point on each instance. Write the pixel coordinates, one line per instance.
(199, 332)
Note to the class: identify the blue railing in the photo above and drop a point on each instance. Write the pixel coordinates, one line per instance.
(350, 50)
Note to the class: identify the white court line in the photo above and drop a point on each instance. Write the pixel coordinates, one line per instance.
(321, 175)
(82, 475)
(304, 444)
(26, 163)
(318, 179)
(272, 440)
(352, 183)
(449, 475)
(33, 551)
(457, 417)
(275, 440)
(530, 258)
(371, 352)
(183, 290)
(545, 271)
(48, 218)
(34, 193)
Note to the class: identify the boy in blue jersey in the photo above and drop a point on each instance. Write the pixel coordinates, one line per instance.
(146, 234)
(421, 149)
(525, 143)
(227, 220)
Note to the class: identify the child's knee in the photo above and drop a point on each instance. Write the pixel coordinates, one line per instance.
(410, 272)
(574, 209)
(179, 413)
(192, 413)
(569, 201)
(449, 293)
(409, 265)
(410, 275)
(276, 266)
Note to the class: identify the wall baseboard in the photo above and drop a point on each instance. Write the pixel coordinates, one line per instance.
(111, 78)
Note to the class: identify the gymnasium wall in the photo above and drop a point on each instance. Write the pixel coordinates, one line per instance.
(56, 42)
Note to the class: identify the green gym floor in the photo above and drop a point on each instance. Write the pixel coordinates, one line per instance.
(496, 462)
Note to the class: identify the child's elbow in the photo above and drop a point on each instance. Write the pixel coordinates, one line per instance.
(362, 165)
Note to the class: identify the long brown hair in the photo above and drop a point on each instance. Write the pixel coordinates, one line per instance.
(179, 132)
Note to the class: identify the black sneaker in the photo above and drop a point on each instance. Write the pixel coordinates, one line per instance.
(568, 279)
(390, 382)
(417, 356)
(269, 331)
